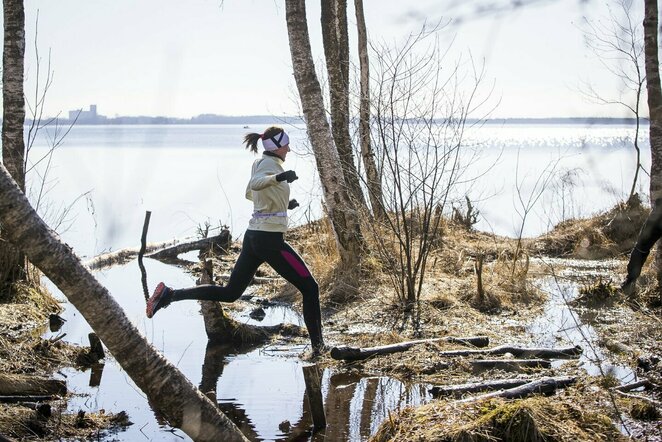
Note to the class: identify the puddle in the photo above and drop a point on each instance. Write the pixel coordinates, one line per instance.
(559, 322)
(261, 389)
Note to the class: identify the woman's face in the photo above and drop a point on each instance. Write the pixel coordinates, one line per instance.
(282, 151)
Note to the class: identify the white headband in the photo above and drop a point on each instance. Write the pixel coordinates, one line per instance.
(279, 140)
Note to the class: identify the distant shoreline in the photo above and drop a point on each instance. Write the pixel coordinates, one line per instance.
(270, 119)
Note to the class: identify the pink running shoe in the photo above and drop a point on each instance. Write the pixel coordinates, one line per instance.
(161, 298)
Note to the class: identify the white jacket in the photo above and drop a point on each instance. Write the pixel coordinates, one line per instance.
(270, 197)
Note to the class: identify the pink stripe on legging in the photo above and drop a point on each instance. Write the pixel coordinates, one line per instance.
(297, 265)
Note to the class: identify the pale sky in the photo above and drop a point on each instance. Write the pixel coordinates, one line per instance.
(231, 57)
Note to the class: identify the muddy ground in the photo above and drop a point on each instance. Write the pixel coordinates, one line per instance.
(629, 333)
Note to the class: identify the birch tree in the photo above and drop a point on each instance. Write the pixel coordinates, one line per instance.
(654, 92)
(166, 387)
(12, 262)
(336, 52)
(372, 175)
(342, 213)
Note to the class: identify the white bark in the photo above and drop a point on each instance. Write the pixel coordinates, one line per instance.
(341, 212)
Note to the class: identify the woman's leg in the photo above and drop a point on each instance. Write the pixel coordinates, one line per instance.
(242, 274)
(284, 260)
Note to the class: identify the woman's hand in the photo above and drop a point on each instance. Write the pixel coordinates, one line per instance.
(288, 176)
(293, 204)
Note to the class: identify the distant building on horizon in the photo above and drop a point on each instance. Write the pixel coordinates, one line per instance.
(87, 116)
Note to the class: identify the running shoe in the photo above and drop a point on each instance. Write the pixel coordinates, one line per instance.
(161, 298)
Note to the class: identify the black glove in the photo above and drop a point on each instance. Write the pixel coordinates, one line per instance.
(292, 205)
(288, 176)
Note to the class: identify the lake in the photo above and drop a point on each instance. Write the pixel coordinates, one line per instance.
(189, 175)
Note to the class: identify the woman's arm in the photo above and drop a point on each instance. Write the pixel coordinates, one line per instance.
(263, 176)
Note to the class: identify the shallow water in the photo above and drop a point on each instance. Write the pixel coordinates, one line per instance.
(261, 389)
(560, 322)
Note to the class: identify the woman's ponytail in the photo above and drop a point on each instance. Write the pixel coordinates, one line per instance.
(250, 140)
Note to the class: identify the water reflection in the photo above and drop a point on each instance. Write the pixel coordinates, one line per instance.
(262, 389)
(265, 396)
(560, 321)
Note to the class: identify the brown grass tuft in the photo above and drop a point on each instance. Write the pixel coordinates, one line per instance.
(534, 419)
(644, 411)
(608, 234)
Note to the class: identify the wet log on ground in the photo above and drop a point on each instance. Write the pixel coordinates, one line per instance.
(15, 385)
(546, 386)
(346, 353)
(219, 242)
(519, 352)
(475, 387)
(508, 364)
(643, 383)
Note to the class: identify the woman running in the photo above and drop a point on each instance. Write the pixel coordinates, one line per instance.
(269, 190)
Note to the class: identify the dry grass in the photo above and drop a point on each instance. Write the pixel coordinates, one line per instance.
(23, 423)
(527, 420)
(608, 234)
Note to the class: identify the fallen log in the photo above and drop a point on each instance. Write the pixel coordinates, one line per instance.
(519, 352)
(220, 241)
(508, 364)
(124, 255)
(347, 353)
(161, 251)
(546, 386)
(644, 383)
(460, 389)
(14, 385)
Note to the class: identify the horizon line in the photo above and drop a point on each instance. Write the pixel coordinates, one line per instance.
(257, 118)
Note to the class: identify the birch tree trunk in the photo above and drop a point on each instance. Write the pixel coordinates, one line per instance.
(655, 110)
(341, 211)
(373, 177)
(165, 386)
(336, 52)
(12, 262)
(13, 114)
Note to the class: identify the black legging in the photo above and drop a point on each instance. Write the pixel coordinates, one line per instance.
(270, 247)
